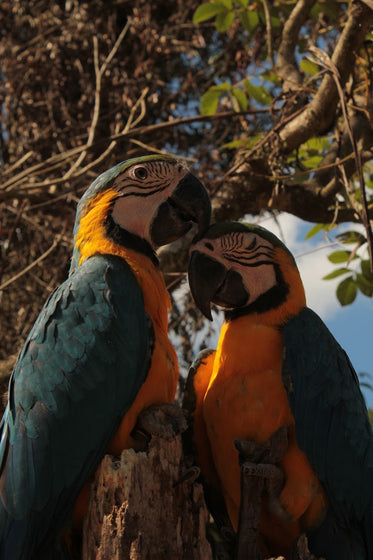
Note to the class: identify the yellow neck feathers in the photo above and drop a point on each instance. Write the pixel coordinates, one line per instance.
(91, 240)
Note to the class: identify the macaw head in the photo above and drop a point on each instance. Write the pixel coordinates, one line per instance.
(147, 202)
(245, 269)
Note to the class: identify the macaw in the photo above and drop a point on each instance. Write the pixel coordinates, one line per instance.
(98, 353)
(278, 368)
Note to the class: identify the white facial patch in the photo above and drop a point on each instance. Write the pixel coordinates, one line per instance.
(246, 253)
(142, 188)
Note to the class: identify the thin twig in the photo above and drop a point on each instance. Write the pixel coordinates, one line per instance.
(156, 151)
(267, 13)
(345, 182)
(286, 63)
(319, 113)
(19, 162)
(131, 123)
(325, 61)
(57, 159)
(266, 139)
(126, 129)
(99, 72)
(30, 266)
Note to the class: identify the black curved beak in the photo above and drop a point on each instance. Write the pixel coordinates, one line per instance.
(189, 204)
(206, 276)
(210, 282)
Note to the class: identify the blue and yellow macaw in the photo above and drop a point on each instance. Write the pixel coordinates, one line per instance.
(98, 353)
(277, 367)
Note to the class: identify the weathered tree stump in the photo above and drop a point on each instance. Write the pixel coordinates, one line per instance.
(140, 509)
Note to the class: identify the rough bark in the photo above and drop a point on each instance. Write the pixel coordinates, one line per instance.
(318, 115)
(139, 509)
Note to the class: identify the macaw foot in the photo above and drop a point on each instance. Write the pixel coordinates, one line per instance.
(259, 476)
(165, 420)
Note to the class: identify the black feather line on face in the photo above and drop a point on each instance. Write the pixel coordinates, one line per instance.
(234, 250)
(145, 191)
(272, 299)
(129, 240)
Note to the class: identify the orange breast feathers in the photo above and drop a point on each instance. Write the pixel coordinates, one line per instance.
(246, 399)
(161, 381)
(200, 440)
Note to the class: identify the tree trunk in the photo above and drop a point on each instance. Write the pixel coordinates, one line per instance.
(140, 509)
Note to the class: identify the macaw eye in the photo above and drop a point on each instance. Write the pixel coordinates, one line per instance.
(141, 173)
(209, 246)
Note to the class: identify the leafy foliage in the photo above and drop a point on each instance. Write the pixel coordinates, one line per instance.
(358, 279)
(225, 12)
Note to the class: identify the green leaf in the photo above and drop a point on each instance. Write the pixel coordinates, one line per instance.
(224, 21)
(241, 100)
(351, 237)
(336, 273)
(364, 285)
(339, 256)
(243, 3)
(365, 269)
(254, 139)
(208, 11)
(249, 20)
(270, 76)
(259, 93)
(223, 87)
(210, 102)
(309, 67)
(311, 162)
(317, 143)
(226, 3)
(210, 99)
(275, 22)
(245, 142)
(346, 291)
(315, 229)
(329, 9)
(234, 144)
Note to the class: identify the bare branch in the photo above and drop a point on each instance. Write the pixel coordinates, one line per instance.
(286, 65)
(21, 180)
(318, 116)
(30, 266)
(267, 13)
(99, 72)
(325, 60)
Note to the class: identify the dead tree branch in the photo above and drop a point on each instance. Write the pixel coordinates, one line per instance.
(286, 65)
(317, 115)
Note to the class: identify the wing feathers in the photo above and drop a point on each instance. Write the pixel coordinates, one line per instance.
(78, 373)
(332, 424)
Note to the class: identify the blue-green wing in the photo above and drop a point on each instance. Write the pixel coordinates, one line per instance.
(78, 372)
(331, 419)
